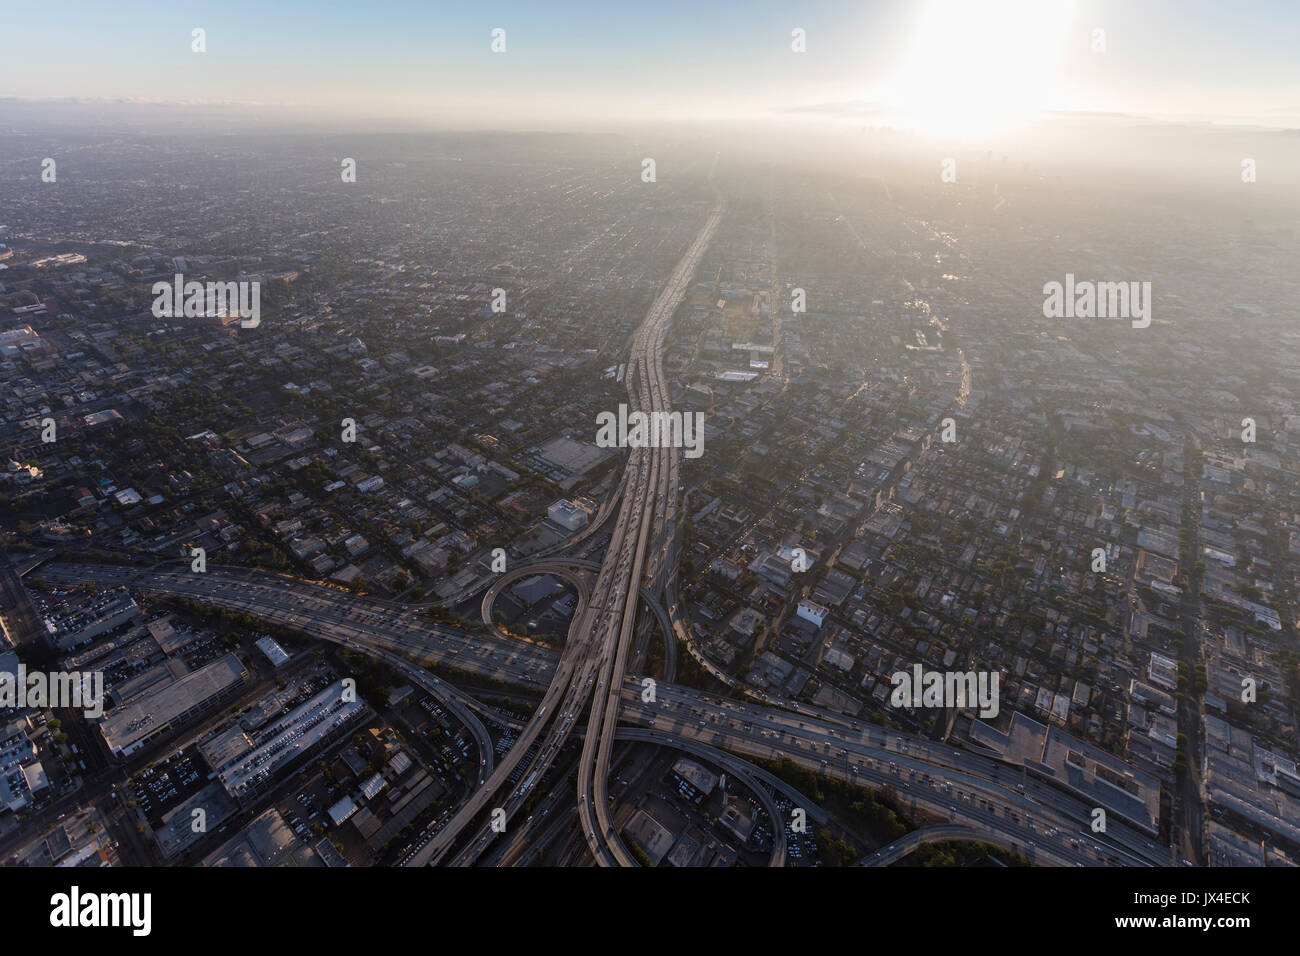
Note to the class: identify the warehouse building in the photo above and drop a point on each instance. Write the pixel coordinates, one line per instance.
(160, 709)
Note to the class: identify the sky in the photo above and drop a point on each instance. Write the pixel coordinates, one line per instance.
(952, 66)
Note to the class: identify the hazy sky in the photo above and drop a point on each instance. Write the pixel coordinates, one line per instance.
(949, 65)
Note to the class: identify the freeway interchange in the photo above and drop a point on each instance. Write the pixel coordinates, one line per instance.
(593, 676)
(966, 787)
(596, 653)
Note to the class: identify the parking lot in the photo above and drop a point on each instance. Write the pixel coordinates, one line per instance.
(168, 783)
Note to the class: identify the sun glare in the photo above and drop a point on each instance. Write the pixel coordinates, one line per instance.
(979, 68)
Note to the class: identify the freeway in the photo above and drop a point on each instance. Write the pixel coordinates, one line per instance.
(924, 774)
(918, 838)
(565, 568)
(559, 569)
(650, 508)
(231, 593)
(451, 700)
(572, 671)
(595, 658)
(330, 614)
(1044, 822)
(739, 770)
(747, 775)
(585, 656)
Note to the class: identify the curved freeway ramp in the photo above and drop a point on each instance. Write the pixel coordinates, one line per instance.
(566, 568)
(948, 833)
(739, 769)
(451, 699)
(559, 569)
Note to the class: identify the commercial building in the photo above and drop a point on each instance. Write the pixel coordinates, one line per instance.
(1163, 671)
(811, 611)
(694, 780)
(298, 734)
(276, 654)
(101, 614)
(266, 841)
(567, 515)
(144, 718)
(342, 810)
(650, 835)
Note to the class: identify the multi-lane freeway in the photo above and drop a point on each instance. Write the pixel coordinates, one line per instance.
(831, 744)
(1049, 823)
(591, 674)
(648, 511)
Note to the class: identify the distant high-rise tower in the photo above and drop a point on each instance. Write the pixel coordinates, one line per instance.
(18, 617)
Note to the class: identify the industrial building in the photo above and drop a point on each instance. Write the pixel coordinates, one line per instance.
(145, 717)
(298, 734)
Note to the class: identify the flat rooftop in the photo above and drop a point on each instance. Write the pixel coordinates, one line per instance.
(1077, 765)
(156, 708)
(291, 737)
